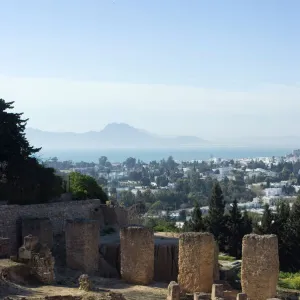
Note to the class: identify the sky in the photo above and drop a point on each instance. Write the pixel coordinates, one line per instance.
(207, 68)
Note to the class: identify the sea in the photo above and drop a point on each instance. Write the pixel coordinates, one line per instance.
(147, 155)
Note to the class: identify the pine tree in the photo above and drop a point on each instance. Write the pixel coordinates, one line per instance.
(247, 226)
(196, 222)
(280, 228)
(266, 221)
(235, 231)
(23, 179)
(215, 219)
(291, 239)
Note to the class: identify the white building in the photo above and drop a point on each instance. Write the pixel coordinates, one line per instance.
(273, 192)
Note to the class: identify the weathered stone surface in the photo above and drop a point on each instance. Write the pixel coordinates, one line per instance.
(217, 291)
(196, 262)
(173, 291)
(38, 258)
(165, 261)
(216, 265)
(29, 245)
(82, 245)
(39, 227)
(202, 296)
(84, 283)
(30, 242)
(241, 296)
(137, 254)
(4, 247)
(260, 266)
(57, 213)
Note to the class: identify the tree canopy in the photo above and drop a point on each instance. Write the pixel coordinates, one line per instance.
(86, 187)
(23, 179)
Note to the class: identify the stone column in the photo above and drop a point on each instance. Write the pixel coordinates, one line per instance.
(173, 291)
(137, 254)
(217, 291)
(196, 262)
(260, 266)
(82, 244)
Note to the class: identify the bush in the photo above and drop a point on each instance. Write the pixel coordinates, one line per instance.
(289, 281)
(226, 258)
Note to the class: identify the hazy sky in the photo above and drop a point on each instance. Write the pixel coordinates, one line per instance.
(207, 68)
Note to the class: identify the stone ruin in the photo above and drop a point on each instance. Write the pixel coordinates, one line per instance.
(137, 254)
(196, 262)
(173, 291)
(39, 258)
(260, 266)
(82, 244)
(84, 283)
(4, 247)
(40, 227)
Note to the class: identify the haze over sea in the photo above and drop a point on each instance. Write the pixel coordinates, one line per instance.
(146, 155)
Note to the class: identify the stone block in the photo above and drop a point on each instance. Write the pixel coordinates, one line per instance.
(241, 296)
(260, 266)
(82, 245)
(196, 262)
(217, 291)
(137, 254)
(30, 242)
(173, 291)
(202, 296)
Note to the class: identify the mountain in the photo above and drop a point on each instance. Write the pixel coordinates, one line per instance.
(115, 135)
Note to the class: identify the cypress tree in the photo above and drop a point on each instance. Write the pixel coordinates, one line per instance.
(235, 231)
(215, 220)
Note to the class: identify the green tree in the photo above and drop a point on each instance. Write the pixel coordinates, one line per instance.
(127, 198)
(23, 180)
(235, 231)
(280, 228)
(266, 221)
(86, 187)
(196, 222)
(291, 240)
(215, 219)
(130, 162)
(247, 226)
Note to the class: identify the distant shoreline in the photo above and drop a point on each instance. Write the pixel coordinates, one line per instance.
(180, 154)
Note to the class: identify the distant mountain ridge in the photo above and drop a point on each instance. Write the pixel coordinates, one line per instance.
(114, 135)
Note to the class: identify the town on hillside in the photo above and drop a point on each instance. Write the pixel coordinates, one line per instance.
(171, 188)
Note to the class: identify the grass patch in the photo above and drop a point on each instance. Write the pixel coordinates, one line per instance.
(226, 258)
(289, 280)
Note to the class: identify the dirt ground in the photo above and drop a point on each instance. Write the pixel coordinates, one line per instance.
(67, 284)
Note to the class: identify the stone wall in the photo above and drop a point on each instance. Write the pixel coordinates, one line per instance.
(40, 227)
(260, 266)
(196, 262)
(82, 245)
(165, 261)
(4, 247)
(137, 254)
(58, 213)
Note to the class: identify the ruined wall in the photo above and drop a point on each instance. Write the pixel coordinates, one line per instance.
(82, 245)
(260, 266)
(40, 227)
(4, 247)
(196, 262)
(58, 213)
(165, 261)
(137, 254)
